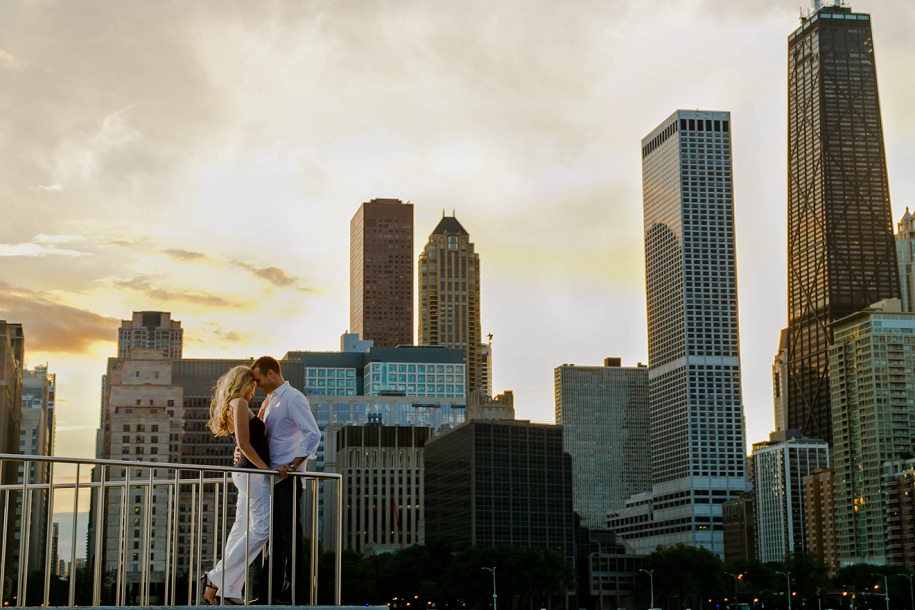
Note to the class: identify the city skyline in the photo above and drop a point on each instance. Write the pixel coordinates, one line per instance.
(189, 181)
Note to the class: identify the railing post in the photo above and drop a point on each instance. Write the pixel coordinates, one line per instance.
(192, 530)
(100, 526)
(25, 525)
(199, 528)
(6, 516)
(338, 560)
(175, 546)
(314, 539)
(49, 533)
(270, 542)
(147, 543)
(225, 517)
(72, 596)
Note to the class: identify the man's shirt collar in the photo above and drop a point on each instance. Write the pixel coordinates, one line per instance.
(281, 390)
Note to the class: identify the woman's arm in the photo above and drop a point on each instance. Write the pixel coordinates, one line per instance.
(242, 415)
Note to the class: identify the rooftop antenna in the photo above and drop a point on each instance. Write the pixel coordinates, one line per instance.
(453, 215)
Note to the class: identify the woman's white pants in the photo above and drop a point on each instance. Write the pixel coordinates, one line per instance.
(248, 536)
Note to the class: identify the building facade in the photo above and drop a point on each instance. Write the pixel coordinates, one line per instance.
(381, 272)
(12, 347)
(739, 525)
(383, 497)
(449, 297)
(872, 366)
(500, 483)
(696, 410)
(841, 252)
(603, 411)
(780, 465)
(899, 504)
(819, 503)
(905, 256)
(151, 330)
(780, 382)
(36, 438)
(418, 372)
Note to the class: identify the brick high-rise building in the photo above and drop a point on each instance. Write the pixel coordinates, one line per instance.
(841, 251)
(739, 526)
(899, 504)
(449, 298)
(819, 502)
(381, 272)
(151, 330)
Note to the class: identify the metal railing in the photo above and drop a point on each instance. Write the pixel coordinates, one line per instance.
(191, 534)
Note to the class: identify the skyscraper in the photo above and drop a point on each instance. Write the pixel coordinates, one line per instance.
(873, 373)
(696, 410)
(780, 465)
(449, 300)
(381, 272)
(905, 255)
(603, 411)
(500, 483)
(151, 330)
(841, 255)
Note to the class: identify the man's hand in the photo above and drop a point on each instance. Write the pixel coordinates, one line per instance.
(283, 469)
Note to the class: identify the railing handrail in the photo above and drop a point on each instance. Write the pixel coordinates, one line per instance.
(198, 481)
(19, 457)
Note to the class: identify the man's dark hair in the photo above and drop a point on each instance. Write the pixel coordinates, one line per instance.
(267, 363)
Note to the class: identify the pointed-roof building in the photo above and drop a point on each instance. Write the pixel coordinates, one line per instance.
(905, 255)
(449, 301)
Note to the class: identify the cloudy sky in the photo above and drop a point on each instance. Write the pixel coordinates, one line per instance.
(206, 158)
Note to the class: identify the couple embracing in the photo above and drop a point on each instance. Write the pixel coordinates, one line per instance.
(281, 438)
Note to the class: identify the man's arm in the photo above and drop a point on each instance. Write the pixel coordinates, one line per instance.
(301, 414)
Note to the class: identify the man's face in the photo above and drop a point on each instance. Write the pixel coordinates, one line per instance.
(264, 381)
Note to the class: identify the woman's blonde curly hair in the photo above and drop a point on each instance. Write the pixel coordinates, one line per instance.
(236, 383)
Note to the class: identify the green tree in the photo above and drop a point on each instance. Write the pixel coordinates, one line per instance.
(684, 577)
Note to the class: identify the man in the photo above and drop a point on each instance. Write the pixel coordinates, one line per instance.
(293, 437)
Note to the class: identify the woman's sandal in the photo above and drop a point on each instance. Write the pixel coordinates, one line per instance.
(234, 601)
(206, 583)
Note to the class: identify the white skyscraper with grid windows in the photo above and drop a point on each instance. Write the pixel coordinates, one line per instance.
(697, 422)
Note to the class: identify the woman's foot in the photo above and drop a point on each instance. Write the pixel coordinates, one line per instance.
(209, 598)
(234, 601)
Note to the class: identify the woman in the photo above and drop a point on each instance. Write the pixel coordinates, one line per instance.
(229, 414)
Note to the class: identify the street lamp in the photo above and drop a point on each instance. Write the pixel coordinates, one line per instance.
(886, 589)
(493, 572)
(651, 576)
(736, 577)
(911, 590)
(788, 576)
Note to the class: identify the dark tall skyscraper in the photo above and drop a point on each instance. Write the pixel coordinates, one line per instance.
(841, 251)
(381, 272)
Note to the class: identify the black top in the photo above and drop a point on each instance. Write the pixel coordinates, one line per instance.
(257, 435)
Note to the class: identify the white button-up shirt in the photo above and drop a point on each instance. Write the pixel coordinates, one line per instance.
(291, 427)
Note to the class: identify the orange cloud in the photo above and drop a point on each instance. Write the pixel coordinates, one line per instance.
(142, 284)
(53, 327)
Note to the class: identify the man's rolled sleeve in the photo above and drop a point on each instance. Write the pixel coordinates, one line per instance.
(311, 435)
